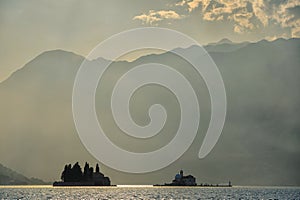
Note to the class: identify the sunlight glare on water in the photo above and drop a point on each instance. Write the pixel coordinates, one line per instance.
(147, 192)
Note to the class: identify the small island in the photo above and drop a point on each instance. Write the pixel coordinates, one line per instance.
(181, 180)
(189, 180)
(73, 176)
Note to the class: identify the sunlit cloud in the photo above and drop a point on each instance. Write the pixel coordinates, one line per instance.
(155, 16)
(195, 3)
(274, 37)
(259, 11)
(181, 3)
(287, 15)
(248, 15)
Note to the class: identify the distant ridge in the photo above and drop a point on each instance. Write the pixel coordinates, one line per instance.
(261, 81)
(225, 41)
(222, 41)
(225, 45)
(10, 177)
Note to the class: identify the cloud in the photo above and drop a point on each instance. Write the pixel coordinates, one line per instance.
(155, 16)
(248, 15)
(259, 11)
(245, 15)
(195, 3)
(181, 3)
(242, 21)
(274, 37)
(238, 11)
(287, 15)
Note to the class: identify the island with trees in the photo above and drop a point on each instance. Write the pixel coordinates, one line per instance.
(73, 176)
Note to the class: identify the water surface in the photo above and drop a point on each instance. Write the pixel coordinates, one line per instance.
(138, 192)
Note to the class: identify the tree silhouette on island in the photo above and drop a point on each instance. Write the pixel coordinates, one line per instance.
(73, 176)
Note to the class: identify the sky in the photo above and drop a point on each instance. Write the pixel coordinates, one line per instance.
(260, 137)
(31, 27)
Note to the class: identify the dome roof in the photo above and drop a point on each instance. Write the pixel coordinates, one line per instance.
(177, 176)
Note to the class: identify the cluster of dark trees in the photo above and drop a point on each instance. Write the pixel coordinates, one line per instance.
(75, 174)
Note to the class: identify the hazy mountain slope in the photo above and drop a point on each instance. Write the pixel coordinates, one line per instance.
(263, 108)
(36, 119)
(224, 45)
(259, 144)
(222, 41)
(10, 177)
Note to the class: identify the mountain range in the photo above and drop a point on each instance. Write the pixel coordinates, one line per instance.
(10, 177)
(260, 140)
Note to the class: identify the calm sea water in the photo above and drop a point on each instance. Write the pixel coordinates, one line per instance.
(49, 192)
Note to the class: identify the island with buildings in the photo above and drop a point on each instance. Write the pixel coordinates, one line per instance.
(73, 176)
(189, 180)
(181, 180)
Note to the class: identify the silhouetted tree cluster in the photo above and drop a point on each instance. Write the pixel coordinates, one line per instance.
(87, 172)
(75, 174)
(97, 168)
